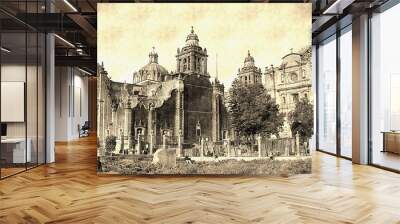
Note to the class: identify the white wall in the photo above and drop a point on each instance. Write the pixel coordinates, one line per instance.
(34, 125)
(71, 102)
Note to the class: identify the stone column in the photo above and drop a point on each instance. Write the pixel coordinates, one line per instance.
(150, 131)
(151, 145)
(202, 147)
(128, 127)
(102, 131)
(286, 147)
(192, 68)
(228, 146)
(293, 144)
(105, 123)
(205, 66)
(297, 144)
(180, 147)
(164, 141)
(259, 145)
(100, 125)
(214, 118)
(122, 140)
(114, 119)
(179, 110)
(138, 145)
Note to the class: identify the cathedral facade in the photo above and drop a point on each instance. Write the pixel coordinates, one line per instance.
(289, 82)
(182, 106)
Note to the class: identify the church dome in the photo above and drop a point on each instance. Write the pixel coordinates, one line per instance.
(291, 59)
(192, 39)
(151, 71)
(154, 68)
(249, 60)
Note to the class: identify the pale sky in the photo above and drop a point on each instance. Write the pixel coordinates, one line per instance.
(128, 31)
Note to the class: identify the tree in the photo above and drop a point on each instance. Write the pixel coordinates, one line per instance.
(252, 110)
(111, 142)
(306, 54)
(302, 119)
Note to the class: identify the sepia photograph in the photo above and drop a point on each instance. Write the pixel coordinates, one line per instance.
(194, 89)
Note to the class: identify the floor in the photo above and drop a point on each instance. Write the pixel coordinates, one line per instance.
(70, 191)
(10, 171)
(387, 159)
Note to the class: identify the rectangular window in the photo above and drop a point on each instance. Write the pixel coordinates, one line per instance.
(327, 95)
(22, 67)
(295, 98)
(346, 92)
(385, 89)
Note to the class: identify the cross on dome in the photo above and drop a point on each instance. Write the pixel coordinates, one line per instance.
(153, 56)
(192, 39)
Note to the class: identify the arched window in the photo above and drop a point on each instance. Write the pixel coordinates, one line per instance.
(293, 77)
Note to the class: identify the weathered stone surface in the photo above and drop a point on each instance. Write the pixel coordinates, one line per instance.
(165, 157)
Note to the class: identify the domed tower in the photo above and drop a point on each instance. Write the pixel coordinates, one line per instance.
(152, 72)
(192, 59)
(249, 73)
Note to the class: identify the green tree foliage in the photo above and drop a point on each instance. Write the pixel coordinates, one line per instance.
(302, 119)
(253, 111)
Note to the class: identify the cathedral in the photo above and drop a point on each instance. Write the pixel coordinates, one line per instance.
(184, 105)
(287, 83)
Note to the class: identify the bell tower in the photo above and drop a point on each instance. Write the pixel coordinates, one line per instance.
(192, 58)
(249, 73)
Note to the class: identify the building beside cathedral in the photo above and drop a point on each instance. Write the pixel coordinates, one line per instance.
(289, 82)
(184, 105)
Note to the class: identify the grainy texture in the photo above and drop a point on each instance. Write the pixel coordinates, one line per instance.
(134, 165)
(69, 191)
